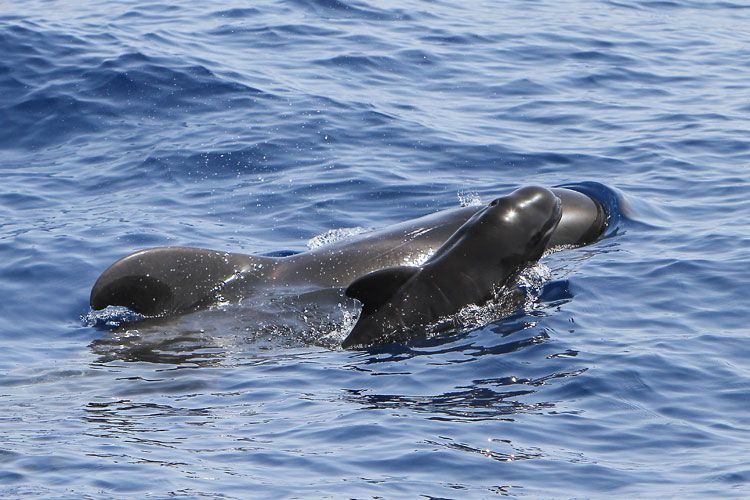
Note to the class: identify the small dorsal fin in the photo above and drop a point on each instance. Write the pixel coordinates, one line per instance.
(374, 289)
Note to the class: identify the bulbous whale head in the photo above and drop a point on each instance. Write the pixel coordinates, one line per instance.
(526, 219)
(512, 228)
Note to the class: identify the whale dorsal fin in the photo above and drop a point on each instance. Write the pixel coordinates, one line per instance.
(374, 289)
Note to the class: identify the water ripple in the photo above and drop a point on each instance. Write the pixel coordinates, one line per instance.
(621, 368)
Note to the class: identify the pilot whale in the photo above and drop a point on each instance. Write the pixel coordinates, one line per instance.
(167, 281)
(492, 247)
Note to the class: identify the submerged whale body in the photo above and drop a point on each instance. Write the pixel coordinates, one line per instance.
(493, 246)
(169, 281)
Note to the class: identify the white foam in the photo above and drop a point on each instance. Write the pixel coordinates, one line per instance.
(522, 294)
(110, 316)
(469, 198)
(333, 236)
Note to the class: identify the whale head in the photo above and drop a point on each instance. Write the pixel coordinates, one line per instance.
(512, 229)
(525, 220)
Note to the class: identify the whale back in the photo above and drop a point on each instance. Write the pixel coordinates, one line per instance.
(169, 280)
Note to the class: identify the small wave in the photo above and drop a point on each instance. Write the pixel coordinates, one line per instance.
(361, 62)
(48, 117)
(263, 157)
(237, 13)
(148, 82)
(521, 87)
(55, 90)
(444, 38)
(351, 9)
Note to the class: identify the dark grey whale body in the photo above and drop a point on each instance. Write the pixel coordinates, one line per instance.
(175, 280)
(493, 246)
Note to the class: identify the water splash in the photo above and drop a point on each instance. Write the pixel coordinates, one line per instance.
(469, 199)
(419, 258)
(524, 293)
(110, 317)
(333, 236)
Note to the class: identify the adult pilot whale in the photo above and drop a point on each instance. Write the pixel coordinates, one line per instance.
(485, 253)
(165, 281)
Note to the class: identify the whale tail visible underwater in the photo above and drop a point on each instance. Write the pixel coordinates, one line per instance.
(482, 255)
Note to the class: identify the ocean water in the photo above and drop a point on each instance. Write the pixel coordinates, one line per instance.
(258, 127)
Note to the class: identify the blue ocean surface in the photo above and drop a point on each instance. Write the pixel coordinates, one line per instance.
(256, 127)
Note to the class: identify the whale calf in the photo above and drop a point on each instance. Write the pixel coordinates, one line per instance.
(167, 281)
(493, 246)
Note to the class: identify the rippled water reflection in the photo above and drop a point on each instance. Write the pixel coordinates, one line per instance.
(271, 127)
